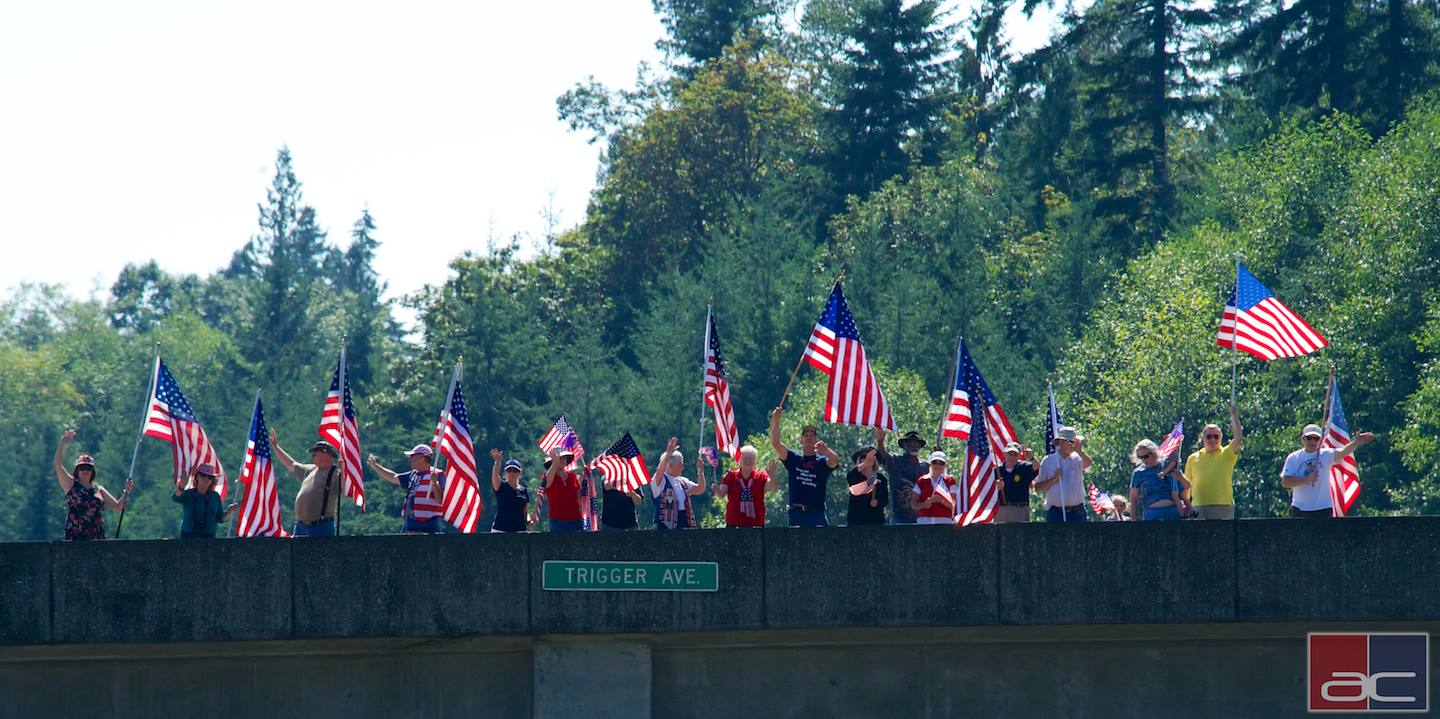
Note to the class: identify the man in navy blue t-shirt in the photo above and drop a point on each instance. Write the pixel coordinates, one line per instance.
(809, 472)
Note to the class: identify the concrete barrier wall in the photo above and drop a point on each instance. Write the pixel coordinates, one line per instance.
(456, 586)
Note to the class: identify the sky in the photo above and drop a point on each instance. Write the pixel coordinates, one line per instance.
(148, 129)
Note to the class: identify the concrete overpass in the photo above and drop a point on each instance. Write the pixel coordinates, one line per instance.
(1192, 619)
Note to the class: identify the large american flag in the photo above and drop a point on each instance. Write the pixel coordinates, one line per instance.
(1256, 322)
(1172, 441)
(260, 508)
(344, 435)
(562, 436)
(854, 396)
(1345, 474)
(717, 391)
(986, 432)
(461, 505)
(623, 464)
(170, 418)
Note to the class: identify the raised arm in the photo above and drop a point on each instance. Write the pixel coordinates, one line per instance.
(781, 451)
(1237, 438)
(699, 487)
(664, 462)
(62, 474)
(832, 460)
(385, 473)
(285, 459)
(1085, 460)
(880, 443)
(499, 457)
(1360, 440)
(553, 455)
(772, 483)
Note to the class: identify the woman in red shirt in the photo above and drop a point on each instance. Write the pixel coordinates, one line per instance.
(744, 490)
(932, 506)
(562, 492)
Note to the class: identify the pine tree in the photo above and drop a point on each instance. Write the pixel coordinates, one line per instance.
(699, 30)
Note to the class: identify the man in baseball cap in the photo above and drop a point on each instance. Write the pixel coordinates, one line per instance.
(1307, 472)
(424, 491)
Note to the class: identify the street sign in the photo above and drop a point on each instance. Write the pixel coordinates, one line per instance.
(581, 576)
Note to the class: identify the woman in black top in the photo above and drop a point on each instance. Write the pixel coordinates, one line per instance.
(868, 492)
(618, 512)
(512, 497)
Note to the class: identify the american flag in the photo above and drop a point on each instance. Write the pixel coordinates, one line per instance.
(1256, 322)
(260, 509)
(461, 505)
(1101, 501)
(170, 418)
(562, 436)
(854, 396)
(717, 391)
(1172, 441)
(589, 502)
(1345, 474)
(623, 464)
(345, 436)
(1052, 422)
(987, 434)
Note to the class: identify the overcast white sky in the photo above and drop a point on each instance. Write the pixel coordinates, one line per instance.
(148, 129)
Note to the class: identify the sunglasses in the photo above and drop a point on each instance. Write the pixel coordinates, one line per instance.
(1212, 436)
(1147, 455)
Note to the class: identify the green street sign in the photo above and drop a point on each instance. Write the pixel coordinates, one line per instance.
(578, 576)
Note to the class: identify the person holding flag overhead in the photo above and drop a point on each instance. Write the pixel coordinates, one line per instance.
(319, 495)
(84, 498)
(671, 491)
(260, 510)
(809, 472)
(562, 491)
(1062, 477)
(1211, 470)
(423, 491)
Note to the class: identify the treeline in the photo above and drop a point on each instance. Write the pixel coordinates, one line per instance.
(1073, 212)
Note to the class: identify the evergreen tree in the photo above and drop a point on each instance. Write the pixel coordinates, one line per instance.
(699, 30)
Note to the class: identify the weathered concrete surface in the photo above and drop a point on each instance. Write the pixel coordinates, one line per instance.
(25, 593)
(879, 576)
(737, 605)
(1370, 568)
(164, 591)
(593, 678)
(1100, 573)
(411, 586)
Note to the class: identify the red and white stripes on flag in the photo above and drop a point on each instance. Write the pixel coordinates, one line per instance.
(462, 502)
(717, 391)
(984, 496)
(562, 436)
(853, 396)
(339, 427)
(623, 465)
(1345, 474)
(170, 418)
(1256, 322)
(970, 393)
(260, 508)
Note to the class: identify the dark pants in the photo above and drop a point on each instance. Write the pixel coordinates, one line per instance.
(808, 518)
(322, 528)
(567, 525)
(197, 535)
(1311, 513)
(1065, 514)
(682, 520)
(607, 528)
(425, 526)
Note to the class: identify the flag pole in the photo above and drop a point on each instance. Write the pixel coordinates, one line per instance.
(344, 386)
(144, 420)
(704, 375)
(242, 488)
(1234, 335)
(945, 407)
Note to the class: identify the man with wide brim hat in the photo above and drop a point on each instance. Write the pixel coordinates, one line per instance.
(319, 497)
(424, 491)
(903, 469)
(1062, 478)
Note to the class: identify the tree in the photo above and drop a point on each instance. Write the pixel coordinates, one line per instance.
(700, 30)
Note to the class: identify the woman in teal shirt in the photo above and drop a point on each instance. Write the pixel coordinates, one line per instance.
(202, 511)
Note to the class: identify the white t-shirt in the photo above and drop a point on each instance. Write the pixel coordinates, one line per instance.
(682, 486)
(1310, 497)
(1070, 490)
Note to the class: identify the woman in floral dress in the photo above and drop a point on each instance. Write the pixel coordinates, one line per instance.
(84, 499)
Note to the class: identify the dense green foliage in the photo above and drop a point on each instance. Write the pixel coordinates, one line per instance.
(1073, 212)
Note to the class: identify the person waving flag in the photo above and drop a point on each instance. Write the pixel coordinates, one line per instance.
(717, 391)
(1172, 441)
(854, 396)
(1256, 322)
(623, 465)
(1344, 474)
(260, 508)
(461, 503)
(983, 425)
(170, 418)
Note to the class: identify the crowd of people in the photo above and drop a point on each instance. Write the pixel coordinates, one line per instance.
(884, 487)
